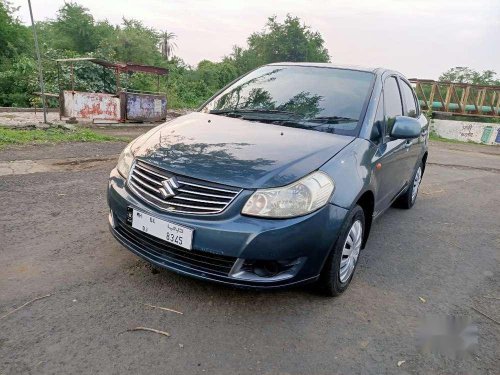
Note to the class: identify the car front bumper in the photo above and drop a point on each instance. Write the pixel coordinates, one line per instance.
(231, 242)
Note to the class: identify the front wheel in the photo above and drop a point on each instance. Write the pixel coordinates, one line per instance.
(341, 263)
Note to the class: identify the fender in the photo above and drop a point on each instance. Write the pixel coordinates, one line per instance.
(352, 171)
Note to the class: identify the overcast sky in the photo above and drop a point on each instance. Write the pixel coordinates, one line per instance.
(420, 38)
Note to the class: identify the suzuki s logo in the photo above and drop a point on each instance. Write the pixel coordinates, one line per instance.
(168, 187)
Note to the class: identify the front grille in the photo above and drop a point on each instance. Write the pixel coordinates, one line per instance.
(200, 260)
(189, 196)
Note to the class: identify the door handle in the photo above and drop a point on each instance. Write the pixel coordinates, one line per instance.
(407, 144)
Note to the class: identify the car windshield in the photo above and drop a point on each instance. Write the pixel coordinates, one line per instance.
(316, 98)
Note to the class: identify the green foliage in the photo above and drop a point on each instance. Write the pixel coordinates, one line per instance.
(13, 35)
(243, 59)
(18, 82)
(167, 44)
(287, 41)
(467, 75)
(18, 136)
(75, 33)
(74, 29)
(133, 42)
(216, 75)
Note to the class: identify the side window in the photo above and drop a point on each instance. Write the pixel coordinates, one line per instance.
(409, 98)
(393, 104)
(378, 122)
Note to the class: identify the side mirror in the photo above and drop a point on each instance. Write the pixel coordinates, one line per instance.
(406, 128)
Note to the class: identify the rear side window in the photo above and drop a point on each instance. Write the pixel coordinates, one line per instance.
(409, 98)
(393, 104)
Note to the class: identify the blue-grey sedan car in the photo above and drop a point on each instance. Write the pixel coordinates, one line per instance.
(274, 181)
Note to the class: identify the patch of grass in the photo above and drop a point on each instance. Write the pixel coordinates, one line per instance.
(10, 136)
(434, 137)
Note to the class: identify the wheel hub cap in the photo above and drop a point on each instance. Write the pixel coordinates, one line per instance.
(416, 184)
(350, 252)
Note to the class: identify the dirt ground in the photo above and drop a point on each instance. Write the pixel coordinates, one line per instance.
(440, 259)
(21, 119)
(24, 119)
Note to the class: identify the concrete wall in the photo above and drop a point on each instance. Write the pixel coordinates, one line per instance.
(468, 131)
(91, 105)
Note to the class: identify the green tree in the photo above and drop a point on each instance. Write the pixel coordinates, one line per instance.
(18, 82)
(216, 75)
(134, 42)
(290, 40)
(467, 75)
(167, 44)
(15, 38)
(243, 59)
(74, 29)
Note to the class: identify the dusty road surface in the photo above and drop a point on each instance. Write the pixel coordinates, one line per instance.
(440, 258)
(22, 119)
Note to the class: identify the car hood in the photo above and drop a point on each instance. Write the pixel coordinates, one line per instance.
(237, 152)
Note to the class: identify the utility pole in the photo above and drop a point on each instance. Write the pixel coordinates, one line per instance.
(40, 73)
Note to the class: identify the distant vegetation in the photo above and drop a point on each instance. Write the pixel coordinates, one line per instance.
(75, 33)
(468, 75)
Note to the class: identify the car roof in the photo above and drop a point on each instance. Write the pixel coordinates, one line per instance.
(375, 70)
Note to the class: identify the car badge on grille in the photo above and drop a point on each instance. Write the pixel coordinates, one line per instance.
(168, 187)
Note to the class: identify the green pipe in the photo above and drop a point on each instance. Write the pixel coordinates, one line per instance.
(454, 106)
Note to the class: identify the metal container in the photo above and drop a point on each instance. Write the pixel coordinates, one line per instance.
(143, 107)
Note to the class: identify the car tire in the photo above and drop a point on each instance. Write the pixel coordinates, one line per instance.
(409, 197)
(333, 279)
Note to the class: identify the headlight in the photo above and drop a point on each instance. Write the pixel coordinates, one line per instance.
(299, 198)
(125, 161)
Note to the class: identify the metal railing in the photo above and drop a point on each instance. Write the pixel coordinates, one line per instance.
(458, 98)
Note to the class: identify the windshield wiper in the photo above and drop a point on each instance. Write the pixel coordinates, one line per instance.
(321, 123)
(259, 114)
(243, 111)
(331, 119)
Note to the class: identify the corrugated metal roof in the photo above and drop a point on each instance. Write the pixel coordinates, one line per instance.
(123, 67)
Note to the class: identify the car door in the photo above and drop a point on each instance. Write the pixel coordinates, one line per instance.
(390, 163)
(411, 109)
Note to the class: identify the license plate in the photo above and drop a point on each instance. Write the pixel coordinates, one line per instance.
(163, 229)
